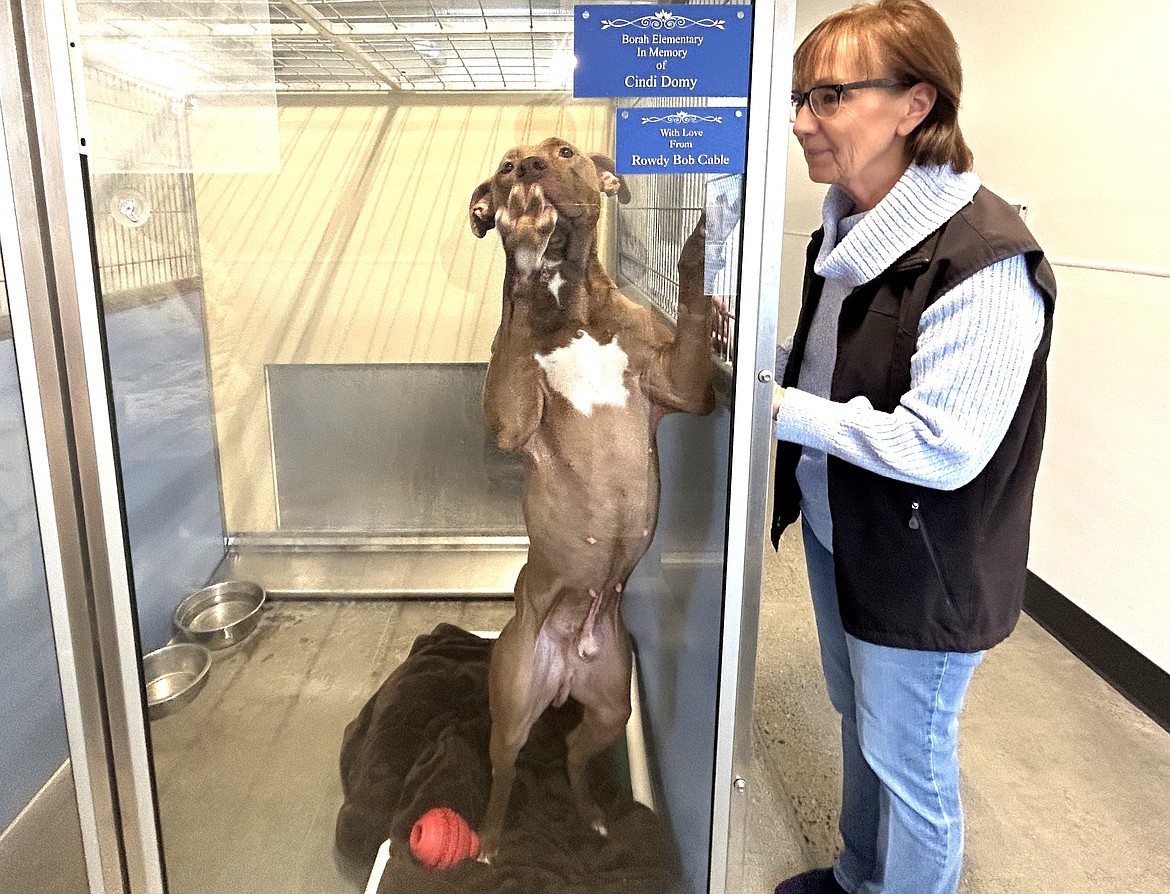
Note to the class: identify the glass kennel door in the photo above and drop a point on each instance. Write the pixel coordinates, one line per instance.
(283, 320)
(37, 800)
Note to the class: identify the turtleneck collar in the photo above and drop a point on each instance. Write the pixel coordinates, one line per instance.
(923, 199)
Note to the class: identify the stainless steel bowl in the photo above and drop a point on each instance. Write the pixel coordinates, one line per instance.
(220, 615)
(174, 674)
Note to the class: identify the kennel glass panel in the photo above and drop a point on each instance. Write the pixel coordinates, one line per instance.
(186, 85)
(298, 331)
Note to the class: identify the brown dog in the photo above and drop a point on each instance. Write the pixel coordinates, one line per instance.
(578, 379)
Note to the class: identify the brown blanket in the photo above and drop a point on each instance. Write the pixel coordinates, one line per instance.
(421, 742)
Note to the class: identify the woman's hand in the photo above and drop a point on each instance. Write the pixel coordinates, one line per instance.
(777, 399)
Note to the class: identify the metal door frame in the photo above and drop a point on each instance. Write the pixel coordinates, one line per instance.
(77, 697)
(58, 336)
(751, 439)
(59, 341)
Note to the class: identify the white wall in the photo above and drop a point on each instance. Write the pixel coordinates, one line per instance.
(1065, 107)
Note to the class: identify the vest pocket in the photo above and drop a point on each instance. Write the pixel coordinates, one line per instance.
(918, 523)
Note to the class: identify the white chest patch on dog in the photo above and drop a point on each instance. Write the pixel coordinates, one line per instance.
(554, 286)
(588, 374)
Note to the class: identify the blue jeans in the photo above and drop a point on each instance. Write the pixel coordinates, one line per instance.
(901, 816)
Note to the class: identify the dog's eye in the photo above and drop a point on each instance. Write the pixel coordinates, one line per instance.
(507, 167)
(566, 152)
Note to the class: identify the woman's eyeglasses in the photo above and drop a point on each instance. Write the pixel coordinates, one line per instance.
(825, 99)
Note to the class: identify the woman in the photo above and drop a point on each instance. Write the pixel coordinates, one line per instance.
(910, 420)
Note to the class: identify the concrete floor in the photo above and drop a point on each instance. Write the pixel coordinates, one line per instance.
(1067, 786)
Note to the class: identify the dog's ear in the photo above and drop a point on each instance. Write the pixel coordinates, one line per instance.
(482, 212)
(611, 181)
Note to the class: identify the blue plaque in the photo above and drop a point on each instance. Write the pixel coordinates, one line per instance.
(647, 50)
(681, 141)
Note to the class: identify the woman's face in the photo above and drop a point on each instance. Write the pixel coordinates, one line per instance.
(861, 148)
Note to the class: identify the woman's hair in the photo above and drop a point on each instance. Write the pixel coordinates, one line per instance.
(903, 39)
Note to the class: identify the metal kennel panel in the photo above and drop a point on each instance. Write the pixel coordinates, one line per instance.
(651, 231)
(204, 94)
(476, 61)
(147, 123)
(345, 460)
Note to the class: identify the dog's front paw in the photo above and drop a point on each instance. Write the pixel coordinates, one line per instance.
(526, 205)
(526, 223)
(526, 200)
(693, 260)
(692, 257)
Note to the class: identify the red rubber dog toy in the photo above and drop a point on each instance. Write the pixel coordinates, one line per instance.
(441, 838)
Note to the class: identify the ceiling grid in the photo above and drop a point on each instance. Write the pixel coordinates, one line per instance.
(346, 45)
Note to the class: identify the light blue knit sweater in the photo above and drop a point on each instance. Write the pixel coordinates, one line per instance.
(975, 347)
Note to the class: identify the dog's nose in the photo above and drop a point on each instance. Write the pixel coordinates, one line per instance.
(531, 169)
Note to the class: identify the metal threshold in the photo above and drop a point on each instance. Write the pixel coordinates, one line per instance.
(328, 566)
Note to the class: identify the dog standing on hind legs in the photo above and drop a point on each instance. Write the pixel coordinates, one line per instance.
(578, 380)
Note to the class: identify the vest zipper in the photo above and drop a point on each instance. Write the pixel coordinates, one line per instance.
(918, 523)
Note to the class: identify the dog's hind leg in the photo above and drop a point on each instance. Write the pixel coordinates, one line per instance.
(604, 692)
(515, 703)
(598, 729)
(523, 680)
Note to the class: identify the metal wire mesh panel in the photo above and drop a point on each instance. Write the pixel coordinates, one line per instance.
(181, 46)
(651, 230)
(374, 44)
(133, 126)
(427, 62)
(144, 223)
(144, 231)
(203, 97)
(334, 45)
